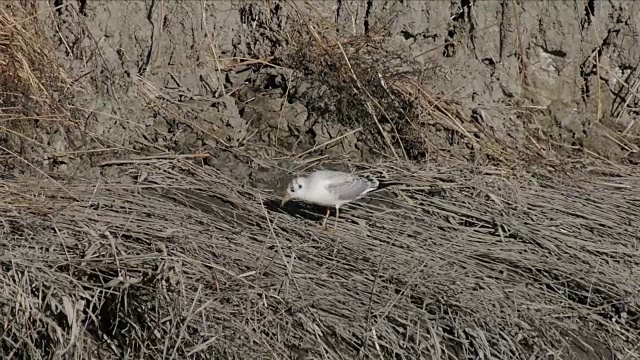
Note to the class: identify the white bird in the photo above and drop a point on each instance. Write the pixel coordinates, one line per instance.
(329, 188)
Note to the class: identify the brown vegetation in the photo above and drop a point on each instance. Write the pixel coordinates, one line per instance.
(499, 249)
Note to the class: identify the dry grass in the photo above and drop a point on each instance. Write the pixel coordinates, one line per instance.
(183, 260)
(37, 125)
(31, 82)
(365, 81)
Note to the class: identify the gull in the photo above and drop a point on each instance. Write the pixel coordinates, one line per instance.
(329, 188)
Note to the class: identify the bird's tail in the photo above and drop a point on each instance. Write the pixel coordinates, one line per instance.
(376, 184)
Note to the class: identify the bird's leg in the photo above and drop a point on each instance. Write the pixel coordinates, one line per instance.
(325, 218)
(335, 227)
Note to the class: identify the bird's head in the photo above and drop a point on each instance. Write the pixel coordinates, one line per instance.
(295, 189)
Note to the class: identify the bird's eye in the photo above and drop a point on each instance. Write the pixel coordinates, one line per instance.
(292, 189)
(299, 186)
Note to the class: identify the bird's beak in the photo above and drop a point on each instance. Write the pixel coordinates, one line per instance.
(286, 198)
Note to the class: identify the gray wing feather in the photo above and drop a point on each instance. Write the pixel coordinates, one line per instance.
(350, 187)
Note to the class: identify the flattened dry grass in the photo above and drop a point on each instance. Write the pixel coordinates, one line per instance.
(176, 260)
(173, 260)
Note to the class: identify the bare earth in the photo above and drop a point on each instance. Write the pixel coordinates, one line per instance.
(145, 146)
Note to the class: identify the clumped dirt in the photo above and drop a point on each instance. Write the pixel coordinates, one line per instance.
(151, 100)
(535, 81)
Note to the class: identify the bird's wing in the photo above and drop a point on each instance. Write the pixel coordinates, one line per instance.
(347, 187)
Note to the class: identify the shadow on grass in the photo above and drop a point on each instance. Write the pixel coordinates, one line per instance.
(295, 208)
